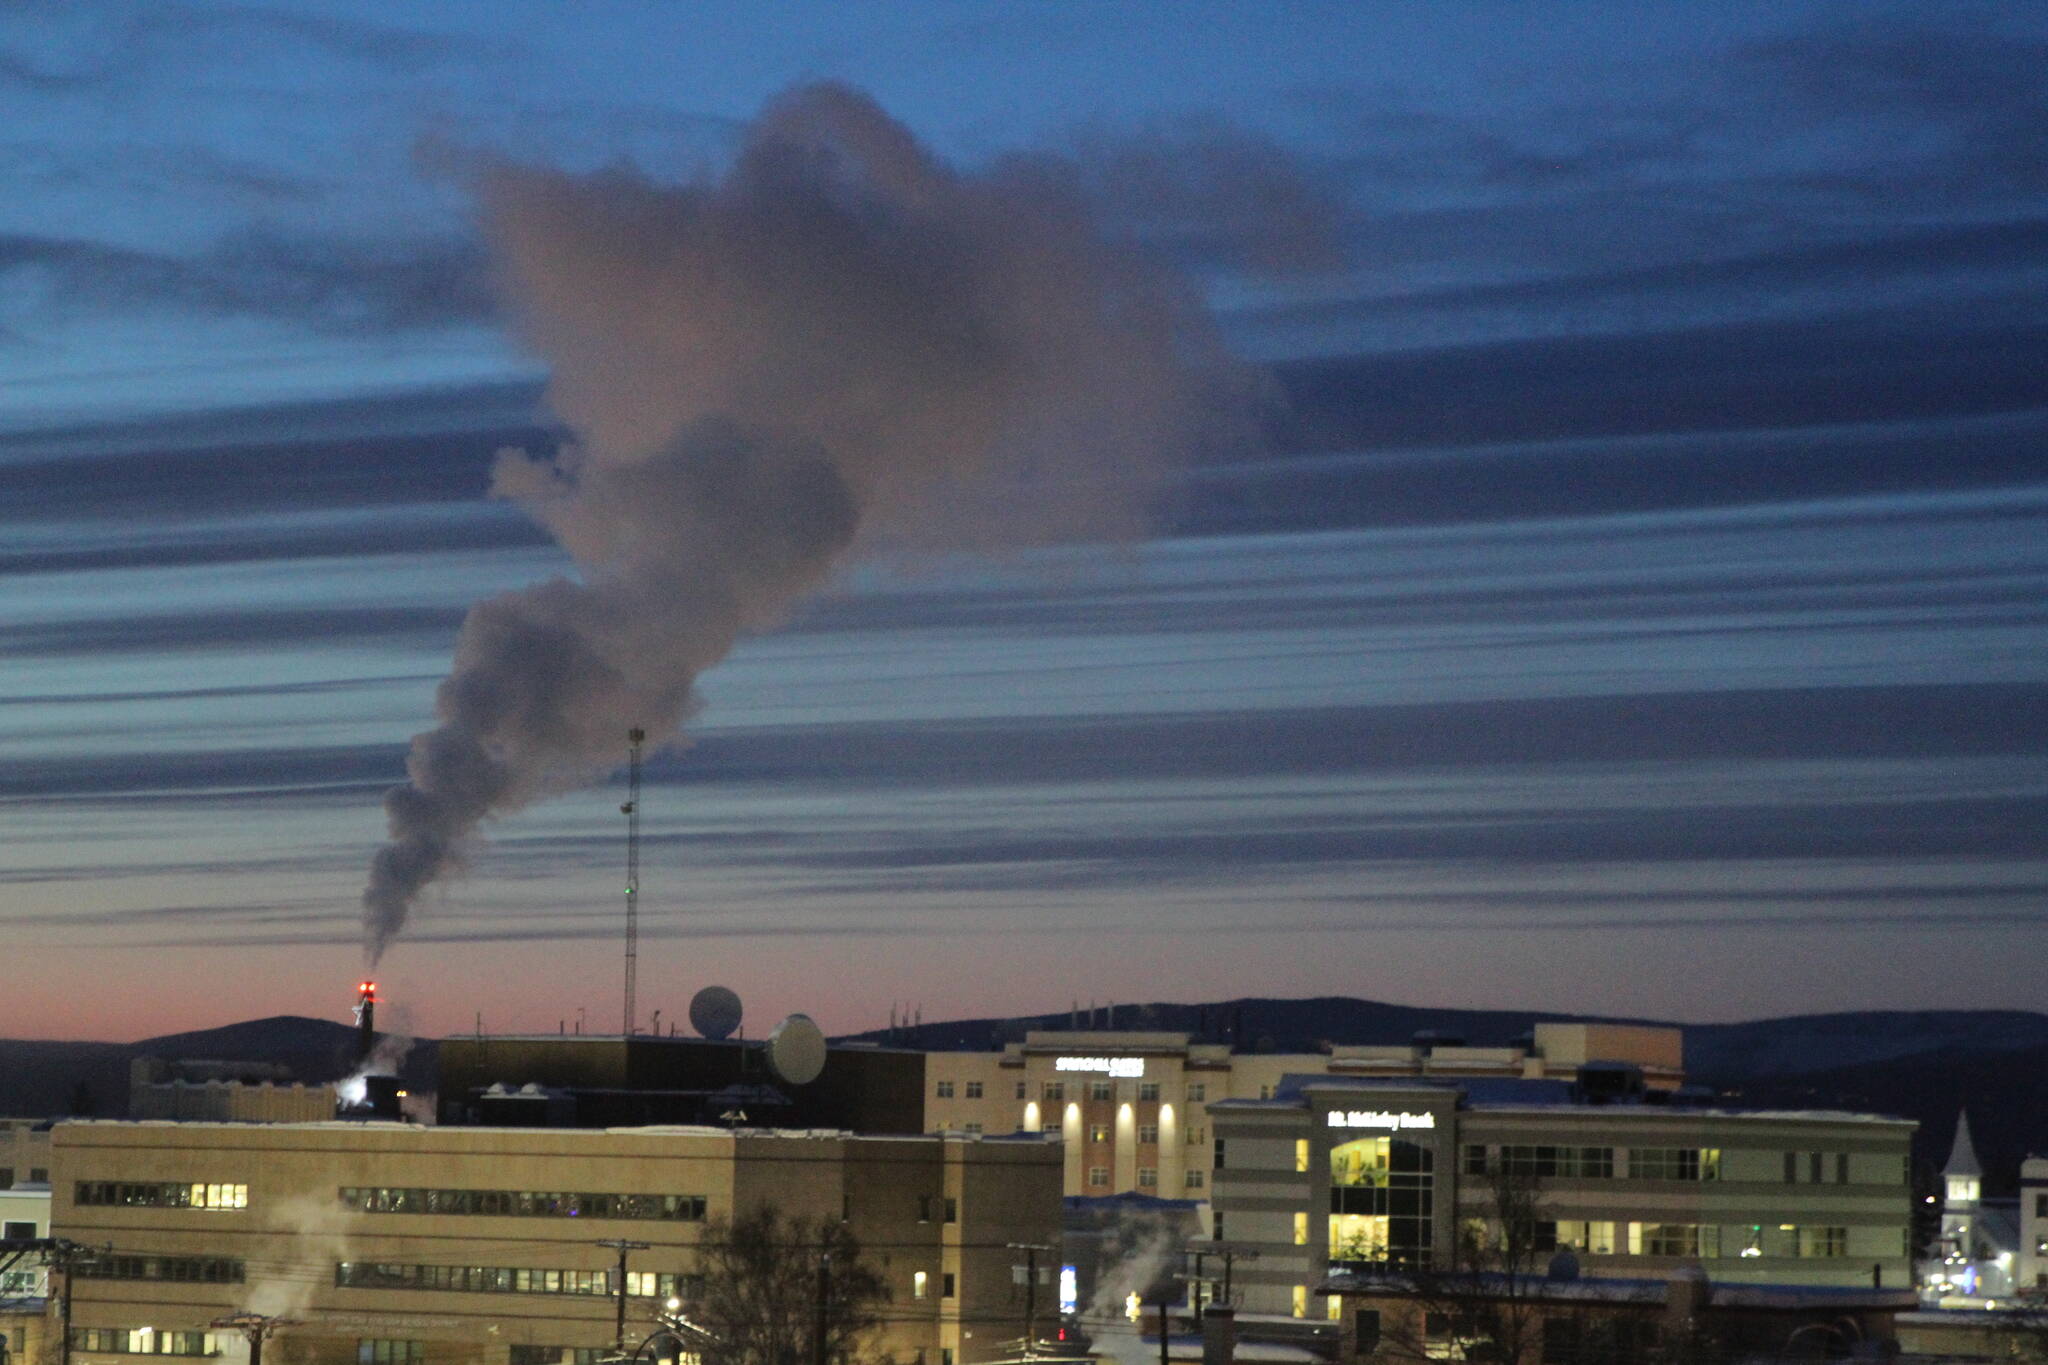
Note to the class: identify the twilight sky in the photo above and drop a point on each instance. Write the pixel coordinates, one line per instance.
(1634, 604)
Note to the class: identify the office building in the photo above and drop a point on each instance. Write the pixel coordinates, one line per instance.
(1357, 1173)
(393, 1244)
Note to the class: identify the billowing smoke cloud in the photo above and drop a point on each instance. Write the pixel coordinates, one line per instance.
(837, 342)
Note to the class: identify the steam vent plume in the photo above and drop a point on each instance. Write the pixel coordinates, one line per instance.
(836, 342)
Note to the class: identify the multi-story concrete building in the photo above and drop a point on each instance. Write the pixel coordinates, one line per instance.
(1346, 1171)
(391, 1244)
(247, 1092)
(24, 1152)
(1132, 1107)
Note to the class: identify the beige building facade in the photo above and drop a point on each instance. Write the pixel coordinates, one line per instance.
(391, 1244)
(1132, 1107)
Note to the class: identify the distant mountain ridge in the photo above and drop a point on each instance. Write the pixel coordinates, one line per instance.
(1714, 1053)
(41, 1078)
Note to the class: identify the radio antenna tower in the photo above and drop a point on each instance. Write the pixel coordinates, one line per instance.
(631, 810)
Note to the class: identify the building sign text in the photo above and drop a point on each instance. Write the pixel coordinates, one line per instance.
(1108, 1066)
(1379, 1118)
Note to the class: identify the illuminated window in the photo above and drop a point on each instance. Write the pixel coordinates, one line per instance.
(1098, 1132)
(1589, 1237)
(161, 1196)
(1301, 1154)
(1197, 1136)
(919, 1284)
(1301, 1229)
(1301, 1301)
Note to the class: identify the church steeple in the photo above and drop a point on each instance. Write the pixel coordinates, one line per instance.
(1963, 1169)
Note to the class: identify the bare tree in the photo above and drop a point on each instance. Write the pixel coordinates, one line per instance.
(771, 1283)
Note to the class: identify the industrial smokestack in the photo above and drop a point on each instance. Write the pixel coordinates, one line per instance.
(837, 342)
(364, 1095)
(366, 1022)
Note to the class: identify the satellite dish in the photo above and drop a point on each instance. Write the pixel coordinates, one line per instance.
(796, 1050)
(714, 1012)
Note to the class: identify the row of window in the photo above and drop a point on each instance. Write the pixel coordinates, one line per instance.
(178, 1195)
(1645, 1163)
(178, 1269)
(1148, 1178)
(490, 1279)
(1705, 1240)
(144, 1341)
(557, 1355)
(1148, 1133)
(1056, 1091)
(688, 1208)
(37, 1175)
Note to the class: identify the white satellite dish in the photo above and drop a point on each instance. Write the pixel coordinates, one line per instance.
(714, 1012)
(796, 1050)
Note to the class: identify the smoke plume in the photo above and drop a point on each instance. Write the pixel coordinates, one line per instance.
(836, 343)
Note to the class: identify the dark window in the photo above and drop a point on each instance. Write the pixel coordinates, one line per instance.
(1813, 1167)
(1475, 1159)
(1365, 1329)
(1562, 1340)
(39, 1175)
(18, 1231)
(946, 1285)
(952, 1210)
(1219, 1154)
(1841, 1168)
(1021, 1089)
(1791, 1167)
(386, 1351)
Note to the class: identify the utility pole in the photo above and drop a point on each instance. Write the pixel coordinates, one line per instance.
(257, 1327)
(631, 810)
(1030, 1250)
(1195, 1283)
(622, 1246)
(1231, 1256)
(821, 1340)
(64, 1257)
